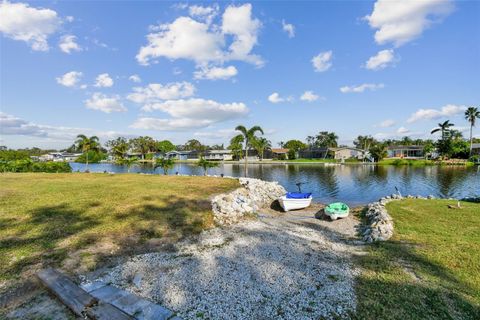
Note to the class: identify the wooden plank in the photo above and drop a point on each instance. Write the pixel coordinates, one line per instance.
(105, 311)
(66, 290)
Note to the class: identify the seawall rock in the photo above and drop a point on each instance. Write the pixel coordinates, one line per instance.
(253, 194)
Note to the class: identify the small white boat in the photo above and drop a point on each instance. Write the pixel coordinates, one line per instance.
(295, 200)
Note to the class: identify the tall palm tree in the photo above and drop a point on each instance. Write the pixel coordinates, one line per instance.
(87, 144)
(248, 135)
(471, 115)
(444, 128)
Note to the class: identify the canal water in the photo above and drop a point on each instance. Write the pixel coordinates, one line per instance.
(353, 184)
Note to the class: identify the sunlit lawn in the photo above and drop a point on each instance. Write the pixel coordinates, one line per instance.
(431, 267)
(77, 220)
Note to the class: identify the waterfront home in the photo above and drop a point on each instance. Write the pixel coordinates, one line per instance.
(58, 157)
(277, 153)
(343, 153)
(405, 152)
(220, 155)
(314, 153)
(183, 155)
(476, 149)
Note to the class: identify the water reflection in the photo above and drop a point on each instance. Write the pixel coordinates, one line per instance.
(354, 184)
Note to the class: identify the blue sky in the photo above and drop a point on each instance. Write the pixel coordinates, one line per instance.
(182, 70)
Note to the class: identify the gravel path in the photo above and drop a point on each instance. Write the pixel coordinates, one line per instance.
(288, 266)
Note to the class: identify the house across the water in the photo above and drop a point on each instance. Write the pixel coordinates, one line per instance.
(405, 152)
(183, 155)
(343, 153)
(58, 157)
(476, 149)
(220, 155)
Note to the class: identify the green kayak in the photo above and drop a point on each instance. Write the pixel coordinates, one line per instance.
(337, 210)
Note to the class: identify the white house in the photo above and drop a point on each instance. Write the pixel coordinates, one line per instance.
(220, 155)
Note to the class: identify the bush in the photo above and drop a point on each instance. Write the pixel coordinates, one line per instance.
(8, 155)
(282, 156)
(292, 155)
(28, 165)
(475, 159)
(93, 157)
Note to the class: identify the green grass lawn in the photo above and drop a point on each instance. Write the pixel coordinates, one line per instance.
(77, 220)
(430, 269)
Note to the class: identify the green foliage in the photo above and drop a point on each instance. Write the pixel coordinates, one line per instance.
(364, 142)
(261, 144)
(27, 165)
(143, 145)
(118, 147)
(378, 151)
(205, 164)
(129, 162)
(93, 157)
(194, 145)
(8, 155)
(325, 139)
(236, 145)
(282, 156)
(165, 164)
(294, 145)
(292, 154)
(164, 146)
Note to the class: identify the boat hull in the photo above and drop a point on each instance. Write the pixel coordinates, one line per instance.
(294, 204)
(336, 214)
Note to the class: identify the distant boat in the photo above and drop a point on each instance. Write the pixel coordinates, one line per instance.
(295, 200)
(337, 210)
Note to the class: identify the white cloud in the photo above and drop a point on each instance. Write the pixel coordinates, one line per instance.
(430, 114)
(361, 88)
(103, 80)
(224, 134)
(21, 22)
(69, 79)
(190, 114)
(403, 130)
(381, 60)
(288, 28)
(197, 108)
(104, 103)
(322, 61)
(12, 125)
(155, 92)
(215, 73)
(401, 21)
(67, 44)
(204, 13)
(387, 123)
(135, 78)
(309, 96)
(186, 38)
(275, 98)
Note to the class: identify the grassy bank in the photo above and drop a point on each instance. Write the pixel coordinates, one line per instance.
(78, 220)
(430, 268)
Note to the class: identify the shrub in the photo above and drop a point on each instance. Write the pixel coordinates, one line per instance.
(93, 157)
(292, 155)
(28, 165)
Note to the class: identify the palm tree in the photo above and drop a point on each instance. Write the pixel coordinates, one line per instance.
(261, 144)
(205, 164)
(128, 162)
(444, 128)
(471, 115)
(248, 136)
(164, 163)
(86, 144)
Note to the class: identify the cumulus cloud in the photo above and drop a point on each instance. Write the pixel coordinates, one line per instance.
(215, 73)
(322, 61)
(155, 92)
(19, 21)
(430, 114)
(275, 98)
(223, 134)
(361, 88)
(386, 123)
(309, 96)
(103, 80)
(187, 38)
(403, 130)
(68, 44)
(104, 103)
(399, 21)
(203, 13)
(135, 78)
(381, 60)
(288, 28)
(189, 114)
(69, 79)
(12, 125)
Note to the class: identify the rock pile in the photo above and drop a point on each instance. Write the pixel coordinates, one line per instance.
(254, 194)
